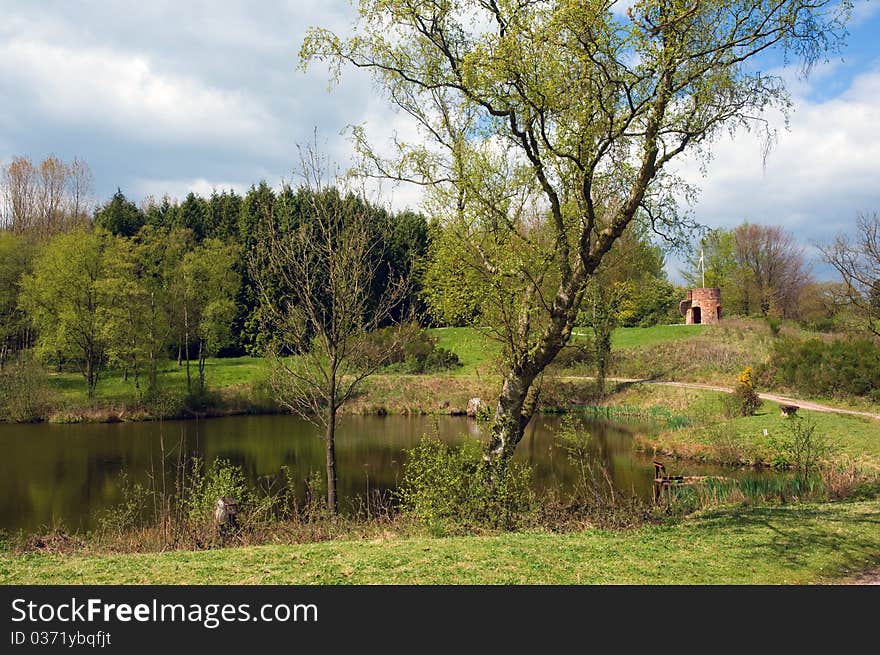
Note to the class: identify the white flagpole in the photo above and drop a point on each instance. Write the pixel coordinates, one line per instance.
(703, 268)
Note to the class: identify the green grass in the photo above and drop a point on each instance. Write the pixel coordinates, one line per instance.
(219, 374)
(850, 436)
(624, 338)
(761, 545)
(474, 348)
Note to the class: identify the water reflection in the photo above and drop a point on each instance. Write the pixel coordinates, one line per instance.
(52, 473)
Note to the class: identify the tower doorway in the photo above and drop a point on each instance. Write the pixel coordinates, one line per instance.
(697, 315)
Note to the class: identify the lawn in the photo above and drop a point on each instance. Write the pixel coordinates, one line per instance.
(636, 337)
(758, 545)
(848, 436)
(476, 350)
(219, 374)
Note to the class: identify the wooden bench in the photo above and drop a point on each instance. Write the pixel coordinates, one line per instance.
(789, 410)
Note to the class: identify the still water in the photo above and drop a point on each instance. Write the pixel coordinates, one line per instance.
(51, 474)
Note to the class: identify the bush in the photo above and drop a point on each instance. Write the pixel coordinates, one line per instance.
(747, 400)
(802, 449)
(130, 513)
(24, 391)
(453, 489)
(207, 484)
(411, 349)
(573, 355)
(848, 368)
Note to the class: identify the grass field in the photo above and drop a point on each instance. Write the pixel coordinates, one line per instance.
(849, 437)
(476, 350)
(763, 545)
(693, 353)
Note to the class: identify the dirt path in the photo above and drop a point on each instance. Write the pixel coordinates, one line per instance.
(866, 579)
(804, 404)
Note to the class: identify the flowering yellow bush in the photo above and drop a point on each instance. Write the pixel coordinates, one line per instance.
(747, 398)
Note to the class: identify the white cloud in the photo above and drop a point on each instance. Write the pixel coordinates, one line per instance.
(123, 91)
(178, 189)
(819, 175)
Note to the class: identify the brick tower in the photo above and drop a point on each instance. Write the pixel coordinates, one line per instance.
(701, 306)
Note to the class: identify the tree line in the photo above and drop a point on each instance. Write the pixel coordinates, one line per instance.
(131, 286)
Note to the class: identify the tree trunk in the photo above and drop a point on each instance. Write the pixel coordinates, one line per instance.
(330, 438)
(512, 415)
(90, 374)
(202, 356)
(519, 398)
(186, 348)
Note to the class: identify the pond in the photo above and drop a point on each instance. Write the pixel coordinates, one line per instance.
(66, 474)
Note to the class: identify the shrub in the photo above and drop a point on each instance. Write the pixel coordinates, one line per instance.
(129, 513)
(573, 355)
(747, 400)
(801, 448)
(24, 391)
(207, 484)
(452, 488)
(412, 349)
(840, 367)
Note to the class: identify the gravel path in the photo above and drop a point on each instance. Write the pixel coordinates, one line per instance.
(804, 404)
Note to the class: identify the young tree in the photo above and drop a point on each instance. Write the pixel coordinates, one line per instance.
(63, 299)
(773, 271)
(316, 291)
(209, 284)
(45, 199)
(126, 308)
(16, 256)
(137, 284)
(549, 127)
(857, 260)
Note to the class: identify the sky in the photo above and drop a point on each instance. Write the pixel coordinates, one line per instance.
(167, 97)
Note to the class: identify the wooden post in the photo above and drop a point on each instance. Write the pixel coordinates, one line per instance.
(226, 515)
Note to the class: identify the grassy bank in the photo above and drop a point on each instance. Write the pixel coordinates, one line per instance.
(757, 545)
(711, 437)
(696, 353)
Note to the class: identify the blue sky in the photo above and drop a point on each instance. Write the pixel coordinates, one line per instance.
(166, 97)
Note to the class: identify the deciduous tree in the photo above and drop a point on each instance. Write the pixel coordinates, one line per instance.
(64, 300)
(857, 260)
(318, 299)
(548, 126)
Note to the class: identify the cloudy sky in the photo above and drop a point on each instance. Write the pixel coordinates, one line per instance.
(166, 97)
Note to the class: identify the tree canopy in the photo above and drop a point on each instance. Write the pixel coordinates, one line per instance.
(549, 126)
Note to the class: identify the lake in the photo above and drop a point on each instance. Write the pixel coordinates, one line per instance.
(51, 474)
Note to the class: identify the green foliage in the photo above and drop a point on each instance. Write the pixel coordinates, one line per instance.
(453, 290)
(747, 400)
(207, 484)
(453, 488)
(119, 216)
(24, 391)
(16, 256)
(647, 301)
(801, 448)
(411, 349)
(130, 512)
(63, 299)
(840, 367)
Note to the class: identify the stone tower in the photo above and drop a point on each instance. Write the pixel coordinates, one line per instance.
(701, 306)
